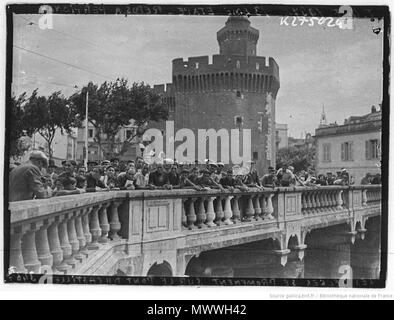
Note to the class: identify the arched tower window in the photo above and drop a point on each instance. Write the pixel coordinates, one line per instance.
(257, 66)
(238, 64)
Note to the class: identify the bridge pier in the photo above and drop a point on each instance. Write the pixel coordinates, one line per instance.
(365, 253)
(328, 252)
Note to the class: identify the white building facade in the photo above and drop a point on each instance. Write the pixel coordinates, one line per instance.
(355, 145)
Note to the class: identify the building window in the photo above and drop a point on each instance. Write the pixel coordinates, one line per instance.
(90, 133)
(255, 156)
(197, 65)
(347, 151)
(238, 121)
(172, 109)
(257, 66)
(238, 65)
(326, 152)
(372, 149)
(128, 134)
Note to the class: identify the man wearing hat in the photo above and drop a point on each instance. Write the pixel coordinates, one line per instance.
(252, 178)
(26, 180)
(330, 179)
(366, 179)
(269, 179)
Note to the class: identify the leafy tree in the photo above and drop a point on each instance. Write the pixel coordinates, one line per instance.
(114, 105)
(301, 158)
(18, 145)
(46, 115)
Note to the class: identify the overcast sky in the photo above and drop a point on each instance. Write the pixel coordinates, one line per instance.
(341, 69)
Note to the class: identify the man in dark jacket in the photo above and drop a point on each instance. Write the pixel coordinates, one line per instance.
(93, 180)
(26, 180)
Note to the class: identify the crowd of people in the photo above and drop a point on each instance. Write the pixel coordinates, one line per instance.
(39, 178)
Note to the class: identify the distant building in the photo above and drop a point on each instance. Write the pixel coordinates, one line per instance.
(307, 142)
(282, 140)
(355, 145)
(127, 151)
(63, 147)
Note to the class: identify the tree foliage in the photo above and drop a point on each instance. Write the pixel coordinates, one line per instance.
(113, 105)
(301, 158)
(18, 145)
(44, 115)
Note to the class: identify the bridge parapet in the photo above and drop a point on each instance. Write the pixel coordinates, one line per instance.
(71, 234)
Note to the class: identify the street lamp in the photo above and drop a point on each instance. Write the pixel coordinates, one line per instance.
(86, 128)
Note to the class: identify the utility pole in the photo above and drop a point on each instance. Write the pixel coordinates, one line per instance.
(86, 129)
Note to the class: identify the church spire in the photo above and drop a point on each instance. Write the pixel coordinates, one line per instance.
(323, 118)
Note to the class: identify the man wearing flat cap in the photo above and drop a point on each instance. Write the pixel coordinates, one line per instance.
(25, 181)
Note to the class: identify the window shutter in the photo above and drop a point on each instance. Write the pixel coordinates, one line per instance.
(367, 150)
(343, 152)
(351, 151)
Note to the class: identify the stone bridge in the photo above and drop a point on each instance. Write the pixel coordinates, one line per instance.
(140, 233)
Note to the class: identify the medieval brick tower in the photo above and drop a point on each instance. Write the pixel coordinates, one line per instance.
(236, 91)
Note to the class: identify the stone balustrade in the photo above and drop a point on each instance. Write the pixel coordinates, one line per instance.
(215, 208)
(372, 194)
(58, 235)
(323, 199)
(55, 235)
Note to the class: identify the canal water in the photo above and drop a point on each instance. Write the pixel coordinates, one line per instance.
(330, 254)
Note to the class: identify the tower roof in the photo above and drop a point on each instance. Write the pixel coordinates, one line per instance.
(238, 21)
(237, 37)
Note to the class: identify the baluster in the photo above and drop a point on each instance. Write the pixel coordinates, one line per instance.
(332, 201)
(339, 201)
(228, 213)
(72, 237)
(16, 257)
(365, 199)
(236, 211)
(94, 229)
(184, 216)
(210, 212)
(317, 201)
(54, 243)
(68, 259)
(219, 211)
(201, 215)
(313, 202)
(257, 208)
(104, 225)
(29, 250)
(114, 224)
(270, 207)
(325, 200)
(86, 227)
(250, 209)
(42, 244)
(308, 202)
(263, 206)
(80, 234)
(304, 203)
(191, 215)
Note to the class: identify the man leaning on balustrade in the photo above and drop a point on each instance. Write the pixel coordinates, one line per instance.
(25, 181)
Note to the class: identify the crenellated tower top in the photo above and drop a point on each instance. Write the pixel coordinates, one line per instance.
(237, 37)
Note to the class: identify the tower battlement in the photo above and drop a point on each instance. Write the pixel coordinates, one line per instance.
(164, 89)
(252, 73)
(223, 63)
